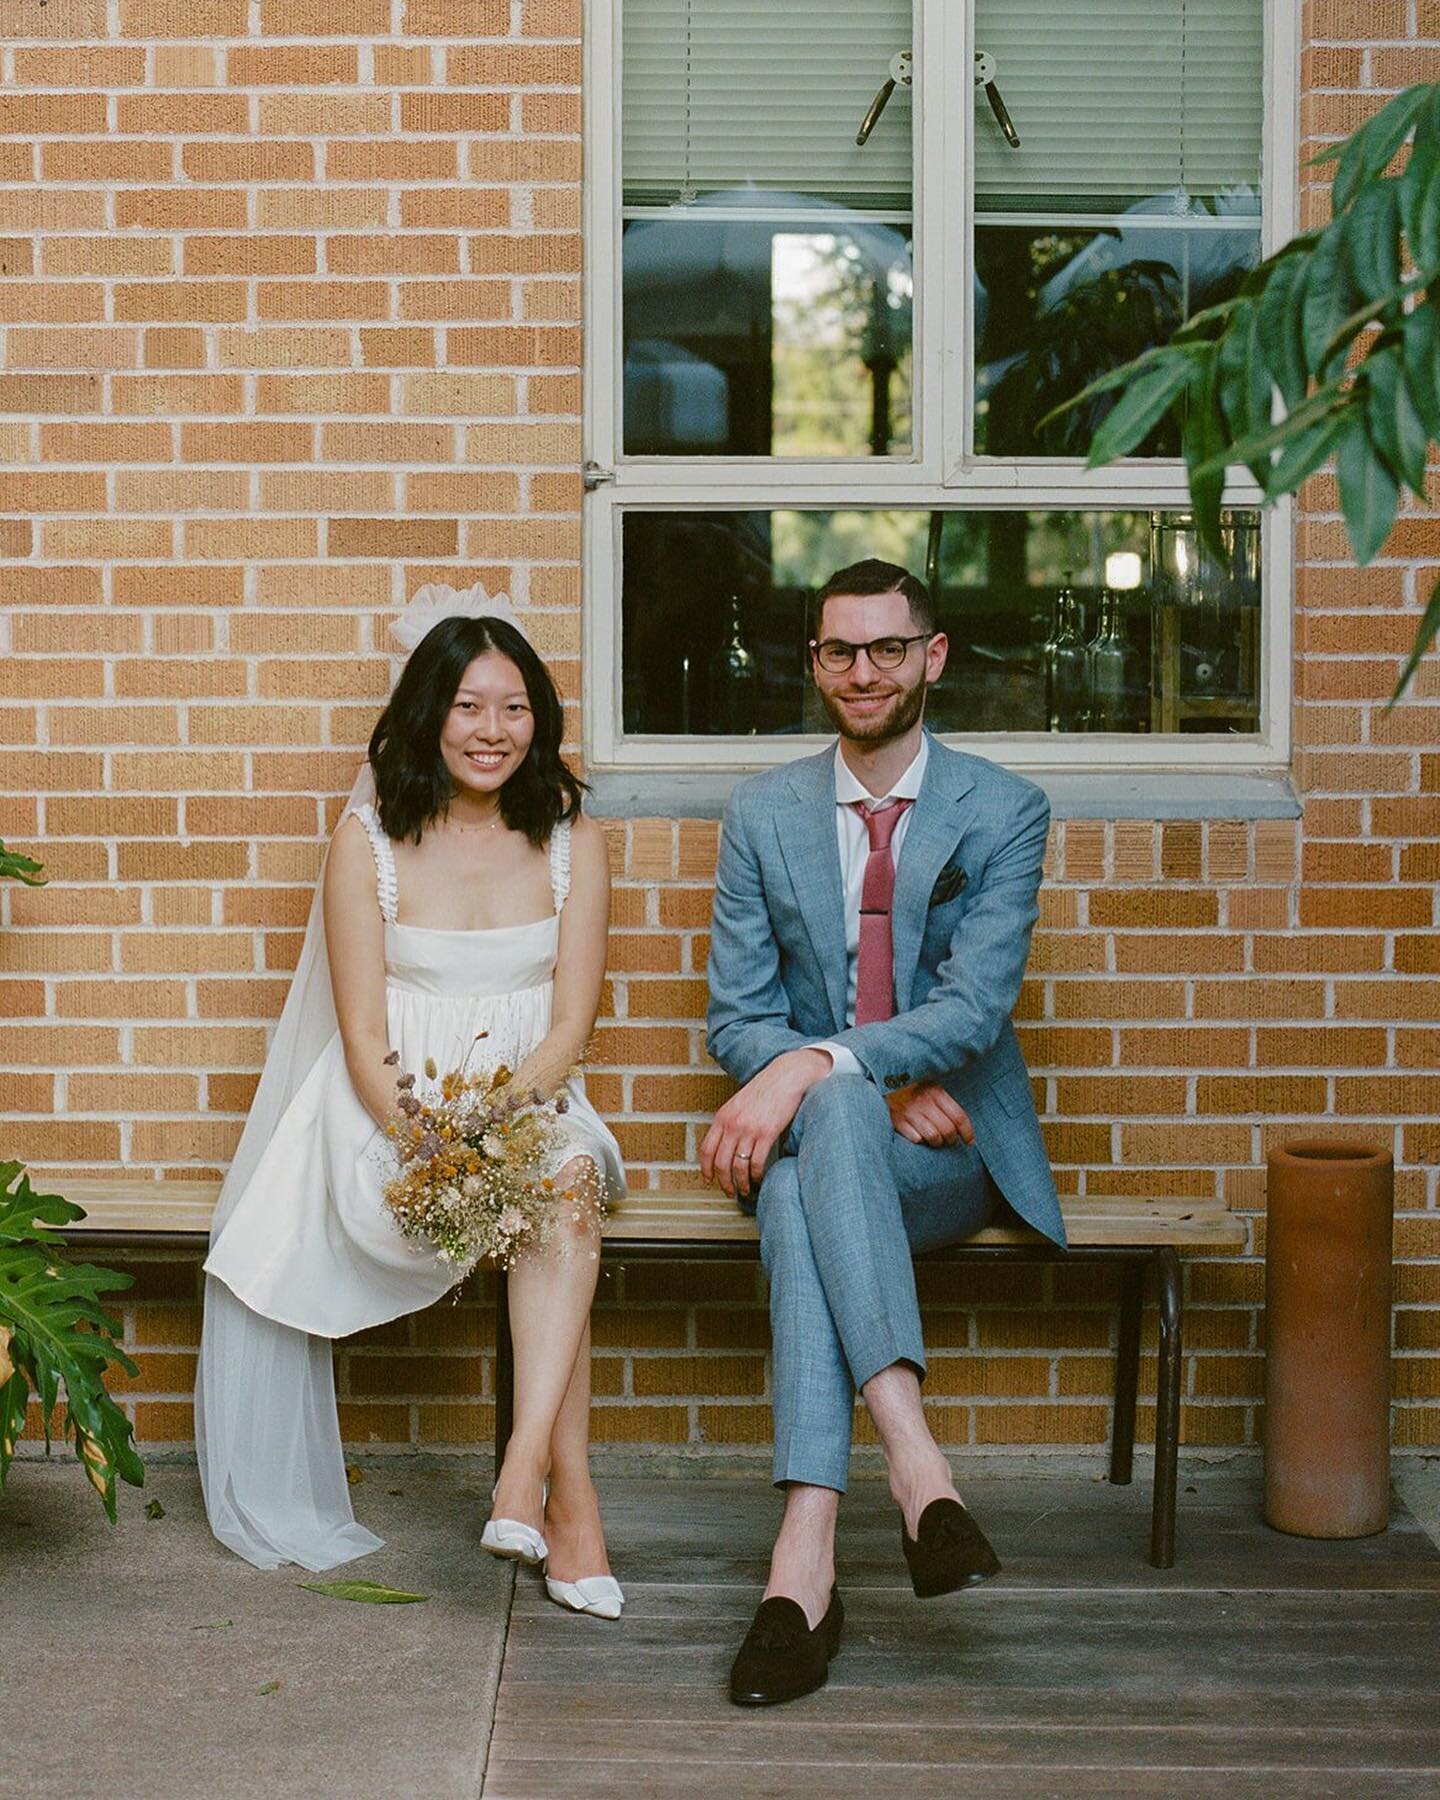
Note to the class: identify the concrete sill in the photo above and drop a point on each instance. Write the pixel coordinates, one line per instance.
(1091, 794)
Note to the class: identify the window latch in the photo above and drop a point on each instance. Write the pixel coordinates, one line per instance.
(593, 476)
(901, 75)
(985, 72)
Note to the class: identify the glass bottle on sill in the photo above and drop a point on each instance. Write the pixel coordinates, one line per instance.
(1110, 668)
(1064, 658)
(735, 684)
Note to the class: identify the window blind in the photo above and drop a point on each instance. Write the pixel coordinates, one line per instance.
(1115, 100)
(720, 94)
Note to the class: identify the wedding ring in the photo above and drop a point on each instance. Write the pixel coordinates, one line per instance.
(744, 1150)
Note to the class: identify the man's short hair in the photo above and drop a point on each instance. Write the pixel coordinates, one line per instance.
(875, 576)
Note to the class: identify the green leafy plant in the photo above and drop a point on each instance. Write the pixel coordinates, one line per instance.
(20, 868)
(55, 1333)
(1331, 348)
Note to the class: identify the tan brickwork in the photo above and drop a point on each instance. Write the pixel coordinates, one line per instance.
(290, 323)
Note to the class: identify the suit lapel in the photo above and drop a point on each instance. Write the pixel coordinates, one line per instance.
(805, 826)
(934, 830)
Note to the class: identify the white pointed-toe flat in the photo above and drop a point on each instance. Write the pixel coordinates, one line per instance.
(598, 1595)
(509, 1538)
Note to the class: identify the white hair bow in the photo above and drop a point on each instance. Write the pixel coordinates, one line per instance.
(436, 601)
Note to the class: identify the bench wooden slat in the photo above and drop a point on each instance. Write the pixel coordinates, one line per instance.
(126, 1205)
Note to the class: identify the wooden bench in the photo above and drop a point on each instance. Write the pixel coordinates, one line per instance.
(1137, 1234)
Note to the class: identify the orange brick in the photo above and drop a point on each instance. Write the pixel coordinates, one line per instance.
(326, 301)
(105, 538)
(52, 349)
(310, 65)
(513, 65)
(107, 159)
(52, 115)
(251, 254)
(397, 347)
(246, 441)
(324, 491)
(1157, 954)
(174, 347)
(477, 209)
(168, 395)
(1377, 908)
(460, 300)
(1172, 908)
(182, 301)
(380, 160)
(373, 253)
(1255, 998)
(462, 493)
(454, 112)
(1193, 1047)
(1319, 1045)
(525, 347)
(1120, 1096)
(62, 1140)
(457, 18)
(1387, 999)
(104, 443)
(393, 537)
(260, 162)
(1387, 1096)
(187, 115)
(1272, 1094)
(105, 256)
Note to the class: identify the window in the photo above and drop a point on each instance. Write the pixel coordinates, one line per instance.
(803, 349)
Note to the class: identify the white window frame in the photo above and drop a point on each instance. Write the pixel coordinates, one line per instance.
(942, 470)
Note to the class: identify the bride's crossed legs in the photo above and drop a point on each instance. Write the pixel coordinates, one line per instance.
(550, 1295)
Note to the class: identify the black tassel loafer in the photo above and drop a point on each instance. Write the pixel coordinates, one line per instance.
(782, 1658)
(948, 1551)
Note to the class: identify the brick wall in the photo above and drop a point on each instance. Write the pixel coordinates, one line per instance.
(291, 322)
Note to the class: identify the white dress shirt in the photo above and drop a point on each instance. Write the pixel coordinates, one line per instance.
(854, 841)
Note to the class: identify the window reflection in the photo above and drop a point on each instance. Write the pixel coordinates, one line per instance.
(1059, 304)
(1058, 621)
(766, 325)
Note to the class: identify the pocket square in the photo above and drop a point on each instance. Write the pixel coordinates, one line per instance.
(948, 883)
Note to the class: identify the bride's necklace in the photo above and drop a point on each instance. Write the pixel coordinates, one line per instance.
(489, 825)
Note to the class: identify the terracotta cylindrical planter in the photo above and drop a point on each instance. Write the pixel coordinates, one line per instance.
(1329, 1213)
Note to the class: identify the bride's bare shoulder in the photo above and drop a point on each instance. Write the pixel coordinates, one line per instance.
(589, 854)
(350, 853)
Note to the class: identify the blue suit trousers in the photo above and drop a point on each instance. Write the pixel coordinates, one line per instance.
(842, 1211)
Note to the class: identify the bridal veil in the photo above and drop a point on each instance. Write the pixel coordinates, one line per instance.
(266, 1433)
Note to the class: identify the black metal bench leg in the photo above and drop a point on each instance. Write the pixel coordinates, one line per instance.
(504, 1369)
(1167, 1411)
(1127, 1374)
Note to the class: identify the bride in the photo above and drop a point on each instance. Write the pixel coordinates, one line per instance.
(465, 897)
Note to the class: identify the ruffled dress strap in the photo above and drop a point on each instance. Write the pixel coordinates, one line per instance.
(387, 881)
(560, 863)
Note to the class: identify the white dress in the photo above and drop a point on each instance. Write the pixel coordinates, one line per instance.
(310, 1243)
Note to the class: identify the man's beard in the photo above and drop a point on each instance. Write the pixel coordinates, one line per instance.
(883, 728)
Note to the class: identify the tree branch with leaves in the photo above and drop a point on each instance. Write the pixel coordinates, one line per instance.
(1331, 348)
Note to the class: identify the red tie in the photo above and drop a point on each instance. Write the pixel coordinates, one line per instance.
(875, 970)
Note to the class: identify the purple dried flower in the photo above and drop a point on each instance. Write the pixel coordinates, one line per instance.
(562, 1103)
(408, 1105)
(405, 1081)
(392, 1058)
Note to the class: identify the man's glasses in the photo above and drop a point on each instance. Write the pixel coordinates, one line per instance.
(835, 656)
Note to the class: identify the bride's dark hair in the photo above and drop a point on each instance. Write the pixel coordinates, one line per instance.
(413, 786)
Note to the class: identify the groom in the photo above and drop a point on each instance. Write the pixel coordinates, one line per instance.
(873, 911)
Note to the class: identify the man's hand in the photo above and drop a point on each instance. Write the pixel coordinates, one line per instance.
(750, 1123)
(926, 1114)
